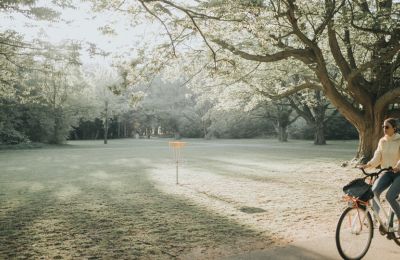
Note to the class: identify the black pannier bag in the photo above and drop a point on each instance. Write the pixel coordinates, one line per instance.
(358, 188)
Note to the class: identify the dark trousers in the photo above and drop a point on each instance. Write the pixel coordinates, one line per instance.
(387, 179)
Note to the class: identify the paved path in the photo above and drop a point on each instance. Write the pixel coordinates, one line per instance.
(323, 248)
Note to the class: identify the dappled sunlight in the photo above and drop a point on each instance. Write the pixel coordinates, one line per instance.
(131, 162)
(67, 192)
(8, 205)
(74, 167)
(276, 199)
(102, 175)
(243, 167)
(27, 186)
(223, 195)
(116, 185)
(36, 186)
(15, 168)
(108, 207)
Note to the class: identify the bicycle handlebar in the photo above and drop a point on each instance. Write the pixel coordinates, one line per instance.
(376, 173)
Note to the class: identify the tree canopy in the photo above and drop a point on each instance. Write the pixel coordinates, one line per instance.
(350, 48)
(254, 50)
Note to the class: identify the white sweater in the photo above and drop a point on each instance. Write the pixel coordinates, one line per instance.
(388, 152)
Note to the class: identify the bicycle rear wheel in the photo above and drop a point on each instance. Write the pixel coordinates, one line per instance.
(354, 233)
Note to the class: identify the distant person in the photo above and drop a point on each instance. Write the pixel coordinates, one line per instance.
(388, 155)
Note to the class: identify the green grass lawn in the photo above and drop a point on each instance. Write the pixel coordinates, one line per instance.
(90, 200)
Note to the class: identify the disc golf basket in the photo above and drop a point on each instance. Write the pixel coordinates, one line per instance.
(176, 147)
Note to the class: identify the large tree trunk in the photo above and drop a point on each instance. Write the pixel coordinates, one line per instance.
(282, 133)
(368, 124)
(319, 119)
(148, 132)
(177, 135)
(204, 128)
(314, 115)
(369, 135)
(369, 127)
(106, 123)
(55, 139)
(56, 126)
(319, 136)
(282, 121)
(119, 128)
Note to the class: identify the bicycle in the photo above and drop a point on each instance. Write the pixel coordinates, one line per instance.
(355, 229)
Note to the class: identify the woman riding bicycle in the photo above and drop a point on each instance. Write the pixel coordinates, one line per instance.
(388, 155)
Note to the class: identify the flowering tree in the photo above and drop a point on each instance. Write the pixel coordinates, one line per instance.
(102, 82)
(351, 47)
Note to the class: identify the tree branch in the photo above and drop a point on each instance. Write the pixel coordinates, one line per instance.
(354, 73)
(204, 38)
(194, 75)
(197, 14)
(328, 17)
(304, 113)
(293, 21)
(301, 54)
(307, 85)
(162, 22)
(350, 53)
(359, 94)
(328, 118)
(240, 79)
(293, 120)
(364, 7)
(386, 98)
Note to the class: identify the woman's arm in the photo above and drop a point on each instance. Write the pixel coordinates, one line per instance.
(396, 168)
(377, 159)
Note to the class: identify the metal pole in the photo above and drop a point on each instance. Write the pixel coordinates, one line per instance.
(176, 171)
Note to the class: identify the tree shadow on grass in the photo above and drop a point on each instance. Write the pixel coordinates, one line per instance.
(15, 237)
(289, 252)
(133, 220)
(144, 222)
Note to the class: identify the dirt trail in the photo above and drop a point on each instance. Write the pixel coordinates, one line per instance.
(289, 206)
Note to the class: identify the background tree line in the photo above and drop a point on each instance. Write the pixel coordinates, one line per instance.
(169, 109)
(267, 64)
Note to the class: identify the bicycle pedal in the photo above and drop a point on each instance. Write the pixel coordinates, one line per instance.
(382, 230)
(390, 236)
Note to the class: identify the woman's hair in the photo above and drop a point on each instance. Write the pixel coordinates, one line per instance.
(393, 122)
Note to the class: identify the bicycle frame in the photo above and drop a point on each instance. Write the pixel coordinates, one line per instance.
(387, 221)
(356, 203)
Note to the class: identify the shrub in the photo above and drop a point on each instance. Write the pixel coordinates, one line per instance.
(12, 136)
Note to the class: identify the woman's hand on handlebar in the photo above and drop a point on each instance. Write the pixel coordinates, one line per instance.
(363, 166)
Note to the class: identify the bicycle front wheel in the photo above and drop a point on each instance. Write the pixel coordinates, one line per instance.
(354, 233)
